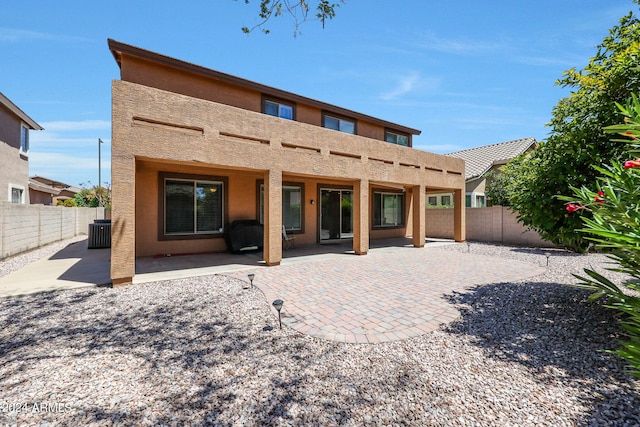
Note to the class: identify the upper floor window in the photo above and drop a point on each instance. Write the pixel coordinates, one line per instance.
(278, 109)
(396, 138)
(24, 139)
(340, 124)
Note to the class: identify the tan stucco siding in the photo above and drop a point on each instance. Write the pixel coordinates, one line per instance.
(185, 129)
(140, 71)
(146, 73)
(158, 131)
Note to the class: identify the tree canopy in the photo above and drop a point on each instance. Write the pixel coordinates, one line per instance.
(299, 10)
(577, 140)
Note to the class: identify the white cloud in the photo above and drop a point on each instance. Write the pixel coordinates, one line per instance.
(439, 148)
(64, 162)
(545, 61)
(69, 168)
(67, 151)
(411, 82)
(432, 42)
(52, 141)
(15, 35)
(78, 125)
(405, 85)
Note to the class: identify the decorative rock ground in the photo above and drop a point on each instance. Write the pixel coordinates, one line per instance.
(195, 351)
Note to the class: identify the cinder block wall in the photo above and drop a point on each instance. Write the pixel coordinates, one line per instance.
(439, 223)
(48, 228)
(494, 224)
(25, 227)
(20, 225)
(518, 235)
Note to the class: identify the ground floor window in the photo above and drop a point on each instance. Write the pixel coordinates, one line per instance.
(475, 200)
(388, 209)
(292, 196)
(193, 207)
(16, 194)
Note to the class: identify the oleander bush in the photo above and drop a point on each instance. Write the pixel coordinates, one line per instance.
(613, 225)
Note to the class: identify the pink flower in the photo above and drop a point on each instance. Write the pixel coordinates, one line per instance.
(599, 198)
(629, 164)
(572, 207)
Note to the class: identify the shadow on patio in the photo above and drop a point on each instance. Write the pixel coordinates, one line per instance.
(150, 269)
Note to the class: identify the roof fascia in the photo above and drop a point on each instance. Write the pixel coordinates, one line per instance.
(18, 112)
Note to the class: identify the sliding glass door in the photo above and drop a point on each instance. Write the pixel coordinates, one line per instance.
(336, 214)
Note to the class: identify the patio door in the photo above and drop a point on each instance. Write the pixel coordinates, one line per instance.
(336, 214)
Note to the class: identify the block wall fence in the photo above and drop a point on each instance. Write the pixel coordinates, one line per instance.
(25, 227)
(496, 224)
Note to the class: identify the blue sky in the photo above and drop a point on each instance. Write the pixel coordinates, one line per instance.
(467, 73)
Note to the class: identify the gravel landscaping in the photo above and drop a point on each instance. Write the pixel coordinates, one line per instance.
(206, 351)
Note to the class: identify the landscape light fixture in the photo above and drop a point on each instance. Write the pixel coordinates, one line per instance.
(468, 246)
(277, 304)
(251, 276)
(547, 254)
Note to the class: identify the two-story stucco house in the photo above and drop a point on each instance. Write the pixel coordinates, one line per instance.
(195, 149)
(14, 151)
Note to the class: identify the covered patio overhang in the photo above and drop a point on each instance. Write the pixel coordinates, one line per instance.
(254, 194)
(151, 269)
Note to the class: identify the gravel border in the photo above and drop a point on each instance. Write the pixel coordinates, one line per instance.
(205, 351)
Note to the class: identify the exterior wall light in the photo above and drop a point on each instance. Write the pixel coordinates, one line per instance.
(277, 304)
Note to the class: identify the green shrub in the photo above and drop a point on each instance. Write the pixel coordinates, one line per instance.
(576, 140)
(68, 203)
(614, 226)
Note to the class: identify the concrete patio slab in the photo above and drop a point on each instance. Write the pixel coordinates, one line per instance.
(73, 267)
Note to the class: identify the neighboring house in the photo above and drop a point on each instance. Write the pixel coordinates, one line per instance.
(194, 149)
(66, 193)
(14, 151)
(40, 193)
(479, 161)
(50, 190)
